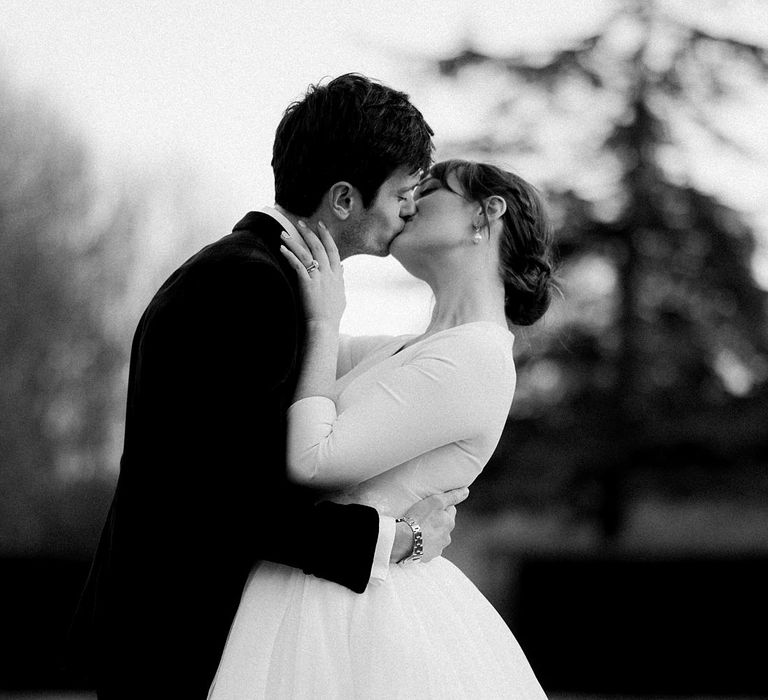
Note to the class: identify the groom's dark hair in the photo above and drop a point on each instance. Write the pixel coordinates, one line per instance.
(352, 129)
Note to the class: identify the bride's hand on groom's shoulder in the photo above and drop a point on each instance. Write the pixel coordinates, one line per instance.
(321, 275)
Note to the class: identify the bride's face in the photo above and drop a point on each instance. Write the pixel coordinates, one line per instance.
(442, 221)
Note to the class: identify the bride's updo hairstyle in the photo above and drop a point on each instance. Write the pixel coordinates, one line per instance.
(525, 246)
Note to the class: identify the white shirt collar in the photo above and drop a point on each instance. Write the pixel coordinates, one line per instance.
(281, 219)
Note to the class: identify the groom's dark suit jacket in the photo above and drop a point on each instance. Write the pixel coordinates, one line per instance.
(202, 495)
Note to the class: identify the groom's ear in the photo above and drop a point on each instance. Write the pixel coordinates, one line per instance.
(343, 199)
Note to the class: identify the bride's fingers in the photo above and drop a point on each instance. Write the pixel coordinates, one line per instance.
(295, 263)
(315, 245)
(296, 246)
(329, 244)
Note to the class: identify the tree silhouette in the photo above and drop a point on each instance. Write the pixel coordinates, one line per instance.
(667, 373)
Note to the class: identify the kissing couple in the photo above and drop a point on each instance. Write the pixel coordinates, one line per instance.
(285, 493)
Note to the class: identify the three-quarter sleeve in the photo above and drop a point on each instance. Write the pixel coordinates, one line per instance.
(447, 391)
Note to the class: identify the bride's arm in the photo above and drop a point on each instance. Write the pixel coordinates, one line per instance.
(329, 354)
(451, 389)
(324, 301)
(324, 304)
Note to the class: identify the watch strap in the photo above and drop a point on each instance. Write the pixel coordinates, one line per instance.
(418, 539)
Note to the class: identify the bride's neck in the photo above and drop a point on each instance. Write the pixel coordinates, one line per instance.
(466, 296)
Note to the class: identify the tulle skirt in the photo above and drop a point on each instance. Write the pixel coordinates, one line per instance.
(425, 632)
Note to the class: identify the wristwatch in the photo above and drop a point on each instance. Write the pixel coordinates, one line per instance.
(418, 541)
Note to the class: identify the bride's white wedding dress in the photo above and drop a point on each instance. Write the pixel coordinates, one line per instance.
(404, 425)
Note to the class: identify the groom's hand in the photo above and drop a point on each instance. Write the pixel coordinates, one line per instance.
(437, 516)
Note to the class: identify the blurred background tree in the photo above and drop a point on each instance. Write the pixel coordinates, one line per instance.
(58, 364)
(76, 265)
(651, 377)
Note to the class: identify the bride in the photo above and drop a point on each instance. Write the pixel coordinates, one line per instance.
(385, 422)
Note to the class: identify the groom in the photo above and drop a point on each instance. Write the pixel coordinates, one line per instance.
(202, 494)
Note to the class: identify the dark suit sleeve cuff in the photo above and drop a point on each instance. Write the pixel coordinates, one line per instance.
(342, 543)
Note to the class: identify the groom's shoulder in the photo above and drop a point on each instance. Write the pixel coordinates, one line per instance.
(255, 247)
(244, 261)
(254, 239)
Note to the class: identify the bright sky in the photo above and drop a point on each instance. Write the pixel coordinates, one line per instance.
(184, 83)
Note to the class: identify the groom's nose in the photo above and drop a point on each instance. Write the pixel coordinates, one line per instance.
(408, 208)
